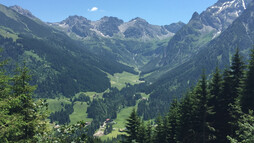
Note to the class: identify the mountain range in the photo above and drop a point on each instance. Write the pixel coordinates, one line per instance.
(112, 26)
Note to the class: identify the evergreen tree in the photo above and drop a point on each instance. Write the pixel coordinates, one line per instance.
(172, 122)
(159, 131)
(237, 75)
(22, 119)
(132, 127)
(187, 119)
(23, 91)
(247, 100)
(223, 116)
(203, 111)
(194, 111)
(216, 102)
(237, 69)
(215, 88)
(149, 133)
(141, 137)
(245, 131)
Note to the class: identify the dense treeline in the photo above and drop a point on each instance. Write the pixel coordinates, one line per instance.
(82, 97)
(214, 111)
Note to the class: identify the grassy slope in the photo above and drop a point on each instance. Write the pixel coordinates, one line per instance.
(119, 79)
(8, 33)
(55, 104)
(79, 113)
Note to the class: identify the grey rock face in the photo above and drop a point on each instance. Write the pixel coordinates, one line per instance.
(219, 16)
(78, 25)
(108, 26)
(23, 11)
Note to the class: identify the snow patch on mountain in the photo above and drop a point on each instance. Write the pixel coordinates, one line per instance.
(244, 6)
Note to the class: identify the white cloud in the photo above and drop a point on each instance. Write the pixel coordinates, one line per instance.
(93, 9)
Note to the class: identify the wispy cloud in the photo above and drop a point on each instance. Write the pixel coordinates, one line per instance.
(93, 9)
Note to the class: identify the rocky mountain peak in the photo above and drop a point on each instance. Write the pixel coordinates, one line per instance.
(111, 18)
(78, 25)
(195, 16)
(72, 20)
(223, 13)
(139, 20)
(108, 26)
(22, 11)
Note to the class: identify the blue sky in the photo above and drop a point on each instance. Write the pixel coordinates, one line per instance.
(159, 12)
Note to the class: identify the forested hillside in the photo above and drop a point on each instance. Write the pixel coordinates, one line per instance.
(60, 65)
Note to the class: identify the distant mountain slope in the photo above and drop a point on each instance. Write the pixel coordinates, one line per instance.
(218, 52)
(200, 30)
(60, 65)
(174, 27)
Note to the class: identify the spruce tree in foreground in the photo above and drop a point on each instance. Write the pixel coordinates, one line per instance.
(237, 70)
(159, 131)
(245, 131)
(247, 100)
(132, 127)
(149, 133)
(204, 111)
(216, 102)
(21, 118)
(187, 119)
(141, 137)
(173, 122)
(237, 76)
